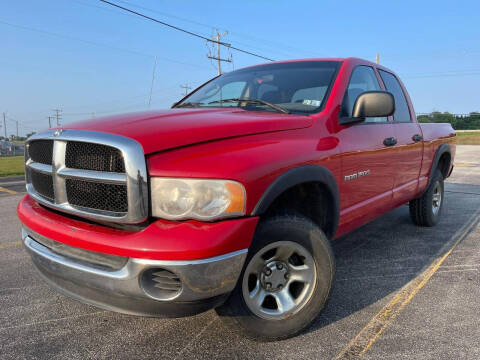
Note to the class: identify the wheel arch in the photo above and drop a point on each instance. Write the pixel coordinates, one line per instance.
(441, 161)
(300, 176)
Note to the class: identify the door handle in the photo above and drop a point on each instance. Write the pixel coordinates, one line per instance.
(391, 141)
(417, 137)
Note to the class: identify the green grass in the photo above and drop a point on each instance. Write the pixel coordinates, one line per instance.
(10, 166)
(468, 138)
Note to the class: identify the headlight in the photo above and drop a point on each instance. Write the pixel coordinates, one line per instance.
(202, 199)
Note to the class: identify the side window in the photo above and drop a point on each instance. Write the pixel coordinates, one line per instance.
(402, 113)
(363, 79)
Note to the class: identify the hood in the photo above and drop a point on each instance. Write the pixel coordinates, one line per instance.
(167, 129)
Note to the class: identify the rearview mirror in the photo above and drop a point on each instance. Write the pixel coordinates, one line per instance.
(374, 104)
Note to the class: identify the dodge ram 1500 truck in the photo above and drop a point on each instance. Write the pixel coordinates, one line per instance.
(230, 199)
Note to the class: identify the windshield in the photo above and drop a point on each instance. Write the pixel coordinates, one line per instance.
(296, 87)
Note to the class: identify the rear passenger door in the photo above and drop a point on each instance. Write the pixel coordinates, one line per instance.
(409, 149)
(367, 165)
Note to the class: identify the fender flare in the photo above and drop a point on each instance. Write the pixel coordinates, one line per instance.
(297, 176)
(442, 149)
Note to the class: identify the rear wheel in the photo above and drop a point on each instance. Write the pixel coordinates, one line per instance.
(286, 280)
(427, 209)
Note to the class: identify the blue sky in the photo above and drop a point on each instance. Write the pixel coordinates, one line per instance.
(84, 56)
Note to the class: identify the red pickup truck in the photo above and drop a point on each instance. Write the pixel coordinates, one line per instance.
(230, 199)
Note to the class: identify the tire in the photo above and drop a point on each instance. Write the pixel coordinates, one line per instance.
(427, 209)
(272, 274)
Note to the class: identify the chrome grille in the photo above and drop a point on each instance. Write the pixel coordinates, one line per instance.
(94, 175)
(87, 156)
(91, 195)
(41, 151)
(43, 184)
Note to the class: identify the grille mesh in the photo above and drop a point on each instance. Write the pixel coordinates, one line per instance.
(109, 197)
(41, 151)
(43, 184)
(88, 156)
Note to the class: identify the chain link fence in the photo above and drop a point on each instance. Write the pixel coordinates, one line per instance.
(11, 149)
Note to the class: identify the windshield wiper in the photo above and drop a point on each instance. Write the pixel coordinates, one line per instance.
(256, 101)
(189, 104)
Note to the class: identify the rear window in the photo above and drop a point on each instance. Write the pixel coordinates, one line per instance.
(402, 113)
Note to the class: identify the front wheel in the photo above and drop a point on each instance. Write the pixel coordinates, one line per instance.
(285, 282)
(426, 210)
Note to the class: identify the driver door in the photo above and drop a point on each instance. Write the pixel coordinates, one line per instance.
(367, 163)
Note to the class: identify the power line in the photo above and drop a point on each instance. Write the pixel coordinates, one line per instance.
(18, 124)
(153, 80)
(167, 89)
(232, 33)
(272, 46)
(452, 73)
(186, 31)
(99, 44)
(12, 120)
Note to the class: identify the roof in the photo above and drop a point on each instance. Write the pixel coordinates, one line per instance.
(348, 59)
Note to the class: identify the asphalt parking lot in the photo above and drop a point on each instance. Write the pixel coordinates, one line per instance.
(401, 292)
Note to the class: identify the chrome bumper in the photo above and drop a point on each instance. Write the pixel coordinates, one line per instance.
(203, 282)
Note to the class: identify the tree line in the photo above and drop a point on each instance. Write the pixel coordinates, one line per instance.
(469, 121)
(17, 138)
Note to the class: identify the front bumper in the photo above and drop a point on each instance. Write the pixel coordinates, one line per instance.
(128, 288)
(160, 240)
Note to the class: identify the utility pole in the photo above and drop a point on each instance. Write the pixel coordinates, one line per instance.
(378, 58)
(50, 121)
(153, 80)
(219, 59)
(17, 127)
(5, 125)
(186, 87)
(57, 115)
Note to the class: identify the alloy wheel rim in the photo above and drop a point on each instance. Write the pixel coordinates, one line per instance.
(279, 280)
(437, 198)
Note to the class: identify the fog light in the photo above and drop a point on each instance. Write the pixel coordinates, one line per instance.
(161, 284)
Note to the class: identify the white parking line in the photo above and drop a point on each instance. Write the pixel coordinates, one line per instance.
(13, 183)
(458, 270)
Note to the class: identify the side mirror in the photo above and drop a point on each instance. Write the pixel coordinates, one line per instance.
(374, 104)
(371, 104)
